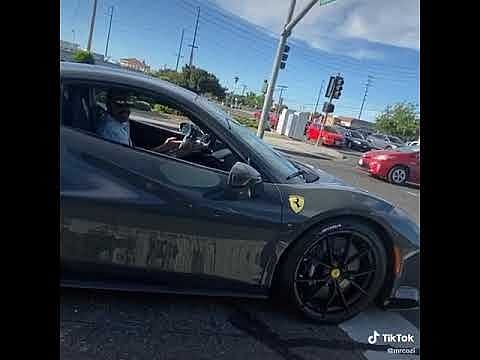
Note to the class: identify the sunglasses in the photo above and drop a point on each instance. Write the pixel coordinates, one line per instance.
(121, 103)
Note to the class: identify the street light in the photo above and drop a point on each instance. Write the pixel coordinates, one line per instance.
(287, 30)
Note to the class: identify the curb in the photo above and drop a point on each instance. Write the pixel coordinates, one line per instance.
(304, 154)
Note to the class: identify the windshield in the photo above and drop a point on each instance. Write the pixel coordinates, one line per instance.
(356, 135)
(275, 160)
(395, 140)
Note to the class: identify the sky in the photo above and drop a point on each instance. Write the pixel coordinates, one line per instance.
(356, 38)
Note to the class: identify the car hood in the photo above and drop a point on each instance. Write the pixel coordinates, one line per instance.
(382, 152)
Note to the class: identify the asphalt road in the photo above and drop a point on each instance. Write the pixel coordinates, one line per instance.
(115, 325)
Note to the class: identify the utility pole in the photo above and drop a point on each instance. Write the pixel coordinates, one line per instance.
(287, 30)
(367, 85)
(179, 50)
(194, 38)
(318, 99)
(73, 33)
(109, 28)
(280, 99)
(92, 25)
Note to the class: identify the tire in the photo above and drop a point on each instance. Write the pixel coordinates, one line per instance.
(388, 147)
(398, 175)
(305, 262)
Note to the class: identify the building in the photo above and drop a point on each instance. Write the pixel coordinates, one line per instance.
(352, 122)
(134, 64)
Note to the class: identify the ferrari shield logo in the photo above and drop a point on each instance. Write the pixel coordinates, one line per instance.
(296, 203)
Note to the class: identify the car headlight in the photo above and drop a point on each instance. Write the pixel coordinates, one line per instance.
(357, 142)
(382, 157)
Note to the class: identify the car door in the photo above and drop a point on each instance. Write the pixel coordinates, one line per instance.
(130, 215)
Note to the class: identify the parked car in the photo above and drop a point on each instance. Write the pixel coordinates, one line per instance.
(356, 141)
(381, 141)
(398, 166)
(330, 135)
(413, 143)
(233, 218)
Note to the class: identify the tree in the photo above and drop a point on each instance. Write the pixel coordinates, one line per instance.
(399, 120)
(195, 79)
(83, 57)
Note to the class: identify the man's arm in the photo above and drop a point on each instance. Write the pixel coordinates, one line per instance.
(180, 149)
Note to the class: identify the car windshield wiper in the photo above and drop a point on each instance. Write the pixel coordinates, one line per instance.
(297, 173)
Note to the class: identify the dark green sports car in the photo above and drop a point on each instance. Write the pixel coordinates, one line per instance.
(232, 217)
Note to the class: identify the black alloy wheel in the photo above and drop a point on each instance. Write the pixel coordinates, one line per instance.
(336, 271)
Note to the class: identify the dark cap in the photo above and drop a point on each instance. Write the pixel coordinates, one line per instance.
(117, 95)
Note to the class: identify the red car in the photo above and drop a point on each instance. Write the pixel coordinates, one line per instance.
(398, 166)
(330, 135)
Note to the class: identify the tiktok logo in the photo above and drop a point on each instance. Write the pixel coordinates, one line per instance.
(372, 339)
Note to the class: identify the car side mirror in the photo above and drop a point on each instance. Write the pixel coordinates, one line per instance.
(243, 177)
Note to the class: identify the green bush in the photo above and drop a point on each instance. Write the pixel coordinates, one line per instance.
(83, 56)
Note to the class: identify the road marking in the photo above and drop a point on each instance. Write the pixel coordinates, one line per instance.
(384, 322)
(413, 194)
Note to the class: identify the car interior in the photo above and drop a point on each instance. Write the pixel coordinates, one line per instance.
(84, 107)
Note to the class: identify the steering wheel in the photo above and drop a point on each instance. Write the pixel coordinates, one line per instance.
(194, 138)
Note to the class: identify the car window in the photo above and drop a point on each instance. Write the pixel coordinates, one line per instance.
(269, 155)
(147, 125)
(356, 135)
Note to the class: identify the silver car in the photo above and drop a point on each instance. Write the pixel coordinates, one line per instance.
(381, 141)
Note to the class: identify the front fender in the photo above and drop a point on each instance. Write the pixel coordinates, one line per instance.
(329, 202)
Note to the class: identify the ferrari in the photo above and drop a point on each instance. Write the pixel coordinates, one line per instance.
(233, 218)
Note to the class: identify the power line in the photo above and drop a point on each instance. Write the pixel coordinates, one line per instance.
(231, 28)
(297, 43)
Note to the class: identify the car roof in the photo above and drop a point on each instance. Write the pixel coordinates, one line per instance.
(79, 71)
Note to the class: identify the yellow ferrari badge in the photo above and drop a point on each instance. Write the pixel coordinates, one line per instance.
(296, 203)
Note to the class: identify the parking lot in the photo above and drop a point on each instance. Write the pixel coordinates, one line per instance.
(116, 325)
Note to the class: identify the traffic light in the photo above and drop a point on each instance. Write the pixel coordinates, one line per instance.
(328, 108)
(331, 84)
(265, 87)
(337, 88)
(286, 49)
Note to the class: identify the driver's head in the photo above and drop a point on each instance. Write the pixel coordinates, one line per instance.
(118, 105)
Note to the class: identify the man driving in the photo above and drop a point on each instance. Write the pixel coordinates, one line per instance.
(116, 125)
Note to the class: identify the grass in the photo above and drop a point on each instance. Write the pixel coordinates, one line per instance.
(246, 120)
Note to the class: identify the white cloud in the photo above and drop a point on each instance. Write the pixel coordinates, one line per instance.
(333, 27)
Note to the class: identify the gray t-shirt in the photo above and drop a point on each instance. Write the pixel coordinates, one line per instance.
(114, 130)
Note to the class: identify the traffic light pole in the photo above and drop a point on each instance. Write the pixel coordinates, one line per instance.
(322, 123)
(287, 30)
(267, 103)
